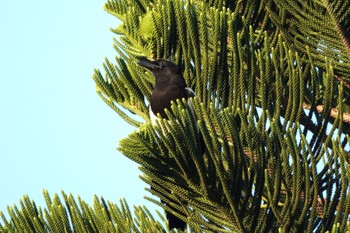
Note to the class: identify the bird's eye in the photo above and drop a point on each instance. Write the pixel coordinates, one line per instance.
(161, 64)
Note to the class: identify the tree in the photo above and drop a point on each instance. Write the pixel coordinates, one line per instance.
(272, 80)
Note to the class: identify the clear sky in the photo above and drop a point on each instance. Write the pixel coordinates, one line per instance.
(55, 132)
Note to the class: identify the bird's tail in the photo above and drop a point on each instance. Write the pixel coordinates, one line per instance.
(175, 222)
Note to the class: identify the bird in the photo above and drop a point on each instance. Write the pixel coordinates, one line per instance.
(169, 86)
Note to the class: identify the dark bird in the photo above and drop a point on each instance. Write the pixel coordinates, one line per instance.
(170, 85)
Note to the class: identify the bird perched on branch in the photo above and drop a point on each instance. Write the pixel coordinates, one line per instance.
(170, 85)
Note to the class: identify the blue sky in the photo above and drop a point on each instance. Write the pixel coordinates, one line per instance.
(56, 133)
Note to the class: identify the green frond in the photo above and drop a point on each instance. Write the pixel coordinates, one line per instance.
(75, 215)
(233, 186)
(272, 105)
(321, 25)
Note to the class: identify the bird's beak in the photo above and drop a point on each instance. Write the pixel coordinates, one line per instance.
(147, 64)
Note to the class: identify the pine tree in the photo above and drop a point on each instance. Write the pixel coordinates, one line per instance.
(272, 83)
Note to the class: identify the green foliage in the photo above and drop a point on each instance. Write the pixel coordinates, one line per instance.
(272, 80)
(272, 103)
(71, 215)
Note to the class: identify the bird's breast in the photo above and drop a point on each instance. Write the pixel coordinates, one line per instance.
(161, 100)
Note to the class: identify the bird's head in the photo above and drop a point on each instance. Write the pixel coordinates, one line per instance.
(161, 68)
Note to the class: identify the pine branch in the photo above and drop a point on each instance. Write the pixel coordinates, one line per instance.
(75, 215)
(338, 10)
(334, 112)
(255, 66)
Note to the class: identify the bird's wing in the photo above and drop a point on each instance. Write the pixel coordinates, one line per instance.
(153, 117)
(190, 93)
